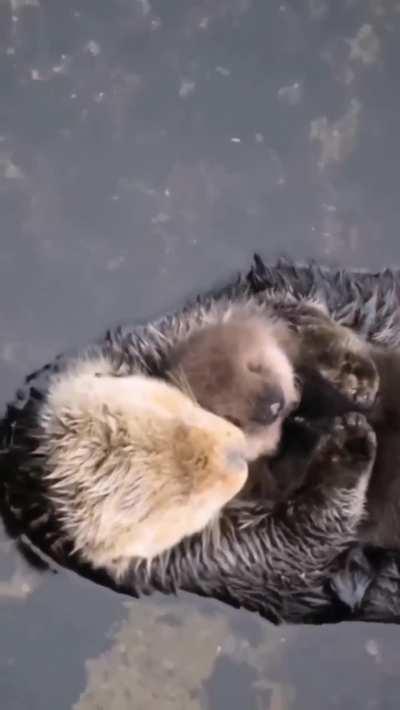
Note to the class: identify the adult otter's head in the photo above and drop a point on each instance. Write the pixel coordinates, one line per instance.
(133, 465)
(241, 370)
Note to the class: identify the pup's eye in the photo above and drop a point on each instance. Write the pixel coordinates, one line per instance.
(268, 407)
(255, 367)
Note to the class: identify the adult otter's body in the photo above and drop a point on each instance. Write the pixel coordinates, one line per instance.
(382, 524)
(283, 565)
(379, 369)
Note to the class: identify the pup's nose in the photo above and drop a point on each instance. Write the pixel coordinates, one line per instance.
(275, 408)
(269, 406)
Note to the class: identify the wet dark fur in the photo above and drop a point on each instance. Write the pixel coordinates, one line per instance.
(286, 474)
(382, 526)
(297, 564)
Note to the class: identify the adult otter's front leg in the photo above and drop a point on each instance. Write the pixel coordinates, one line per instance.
(335, 365)
(277, 563)
(340, 358)
(333, 498)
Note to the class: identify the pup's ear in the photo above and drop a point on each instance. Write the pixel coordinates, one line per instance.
(286, 339)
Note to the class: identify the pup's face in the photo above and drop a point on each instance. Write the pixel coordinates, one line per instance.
(241, 372)
(266, 393)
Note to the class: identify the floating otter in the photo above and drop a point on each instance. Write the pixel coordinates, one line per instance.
(285, 564)
(132, 465)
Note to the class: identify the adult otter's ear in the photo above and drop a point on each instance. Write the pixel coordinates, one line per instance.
(287, 339)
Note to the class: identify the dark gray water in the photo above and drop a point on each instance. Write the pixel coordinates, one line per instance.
(147, 148)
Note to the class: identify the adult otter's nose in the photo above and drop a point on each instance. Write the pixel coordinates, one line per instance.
(269, 406)
(236, 459)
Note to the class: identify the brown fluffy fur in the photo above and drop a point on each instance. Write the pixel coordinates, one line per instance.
(133, 465)
(242, 370)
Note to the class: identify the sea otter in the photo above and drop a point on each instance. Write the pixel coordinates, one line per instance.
(284, 564)
(132, 465)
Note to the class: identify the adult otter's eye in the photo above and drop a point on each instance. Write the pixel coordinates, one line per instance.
(234, 421)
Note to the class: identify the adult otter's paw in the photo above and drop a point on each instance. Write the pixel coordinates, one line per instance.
(342, 359)
(347, 452)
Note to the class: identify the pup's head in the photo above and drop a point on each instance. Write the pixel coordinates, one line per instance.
(241, 370)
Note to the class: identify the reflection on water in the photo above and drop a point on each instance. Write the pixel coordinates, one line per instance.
(146, 149)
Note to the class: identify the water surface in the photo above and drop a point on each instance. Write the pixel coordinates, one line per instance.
(147, 148)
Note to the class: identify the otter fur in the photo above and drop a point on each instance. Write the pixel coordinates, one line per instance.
(374, 373)
(132, 465)
(297, 563)
(242, 370)
(254, 371)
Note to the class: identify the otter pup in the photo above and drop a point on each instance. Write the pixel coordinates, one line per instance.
(252, 371)
(241, 369)
(132, 465)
